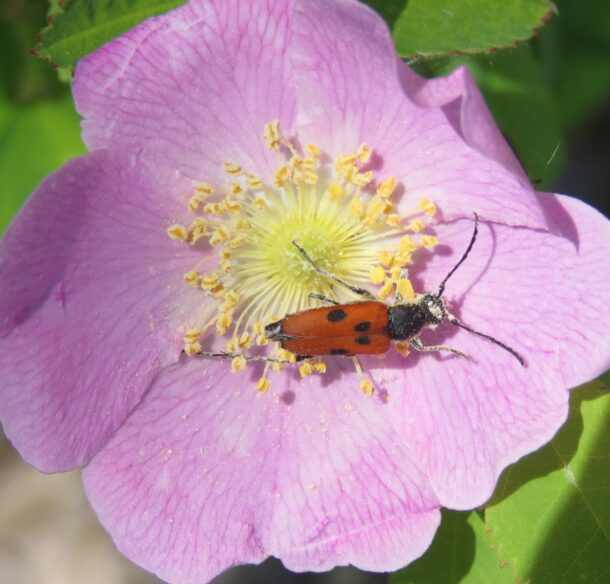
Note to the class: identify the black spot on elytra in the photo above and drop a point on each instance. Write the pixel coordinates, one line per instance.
(336, 315)
(362, 327)
(339, 352)
(363, 340)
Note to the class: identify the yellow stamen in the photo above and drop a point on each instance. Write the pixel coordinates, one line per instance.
(335, 191)
(238, 364)
(402, 259)
(320, 366)
(197, 230)
(367, 387)
(209, 281)
(394, 220)
(362, 179)
(213, 208)
(386, 289)
(427, 207)
(364, 153)
(406, 245)
(191, 335)
(192, 278)
(272, 135)
(232, 205)
(193, 348)
(262, 385)
(386, 258)
(313, 151)
(219, 235)
(232, 169)
(345, 163)
(377, 275)
(310, 177)
(254, 182)
(374, 209)
(231, 299)
(416, 226)
(177, 232)
(237, 189)
(405, 289)
(286, 355)
(386, 187)
(195, 202)
(305, 369)
(223, 323)
(203, 189)
(428, 241)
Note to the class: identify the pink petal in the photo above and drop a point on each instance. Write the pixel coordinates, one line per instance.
(193, 88)
(207, 474)
(88, 309)
(544, 295)
(463, 104)
(349, 91)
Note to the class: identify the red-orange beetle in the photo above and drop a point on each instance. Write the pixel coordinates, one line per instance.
(366, 327)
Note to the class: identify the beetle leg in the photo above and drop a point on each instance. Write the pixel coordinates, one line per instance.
(321, 272)
(230, 356)
(321, 297)
(417, 345)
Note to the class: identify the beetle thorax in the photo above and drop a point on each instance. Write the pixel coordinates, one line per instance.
(405, 321)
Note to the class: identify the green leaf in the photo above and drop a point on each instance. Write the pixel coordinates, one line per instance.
(85, 25)
(576, 51)
(432, 28)
(459, 553)
(550, 517)
(34, 140)
(24, 79)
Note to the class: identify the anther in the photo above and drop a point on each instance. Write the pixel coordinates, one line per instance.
(177, 232)
(416, 226)
(377, 275)
(427, 207)
(428, 241)
(262, 385)
(386, 289)
(335, 191)
(405, 289)
(386, 187)
(231, 168)
(238, 364)
(364, 153)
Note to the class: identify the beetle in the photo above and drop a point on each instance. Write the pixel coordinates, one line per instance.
(368, 326)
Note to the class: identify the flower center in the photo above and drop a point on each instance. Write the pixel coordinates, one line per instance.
(254, 230)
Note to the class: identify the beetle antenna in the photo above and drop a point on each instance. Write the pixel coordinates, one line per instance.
(512, 351)
(441, 287)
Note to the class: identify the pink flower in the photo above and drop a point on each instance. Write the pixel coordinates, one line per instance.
(188, 466)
